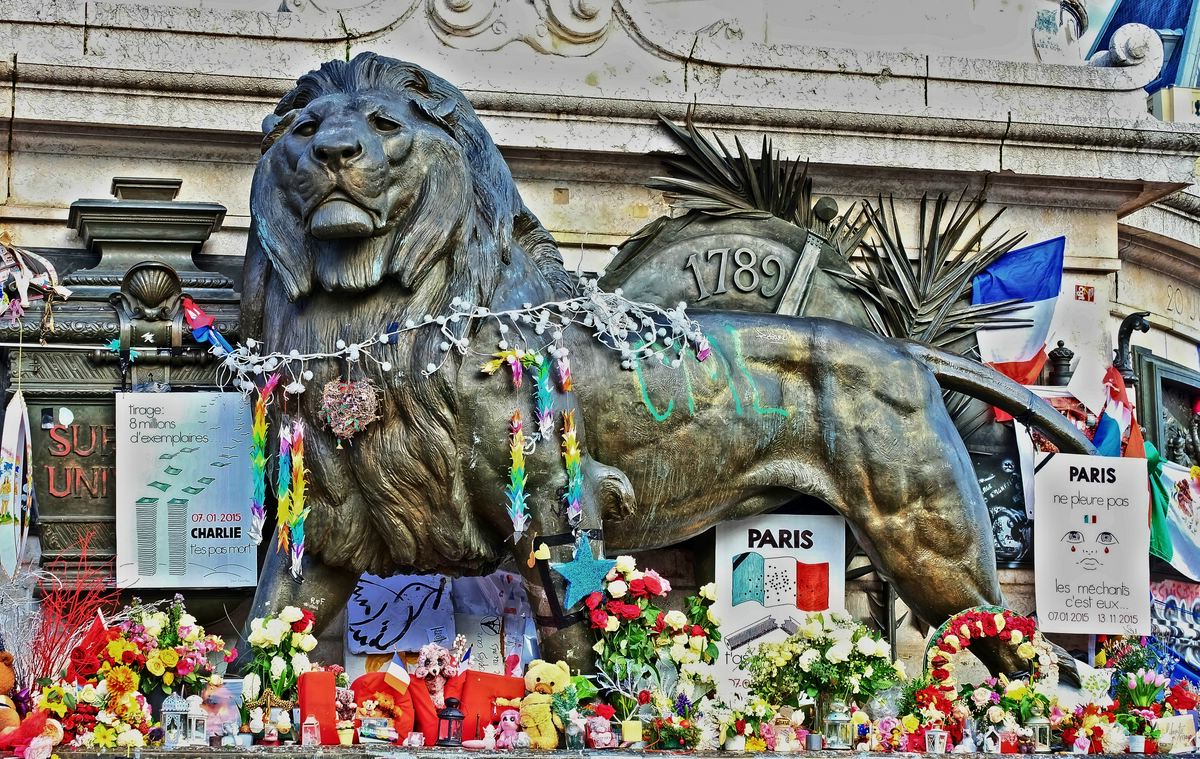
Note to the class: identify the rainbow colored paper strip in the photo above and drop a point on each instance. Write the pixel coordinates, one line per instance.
(298, 512)
(283, 487)
(510, 357)
(258, 460)
(518, 510)
(564, 374)
(570, 453)
(543, 396)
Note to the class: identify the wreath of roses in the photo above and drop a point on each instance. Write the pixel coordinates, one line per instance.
(953, 638)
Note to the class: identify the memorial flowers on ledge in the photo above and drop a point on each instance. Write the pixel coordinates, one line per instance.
(830, 657)
(107, 714)
(280, 644)
(677, 728)
(171, 649)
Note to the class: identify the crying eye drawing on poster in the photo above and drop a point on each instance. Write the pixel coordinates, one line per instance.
(1090, 550)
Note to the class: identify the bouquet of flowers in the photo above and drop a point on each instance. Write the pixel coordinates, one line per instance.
(831, 655)
(637, 635)
(111, 713)
(170, 649)
(280, 644)
(1089, 725)
(676, 727)
(743, 718)
(1004, 703)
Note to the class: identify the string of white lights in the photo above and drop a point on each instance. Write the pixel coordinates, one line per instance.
(638, 331)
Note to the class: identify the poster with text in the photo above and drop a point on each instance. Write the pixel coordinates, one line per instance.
(183, 491)
(1092, 545)
(770, 571)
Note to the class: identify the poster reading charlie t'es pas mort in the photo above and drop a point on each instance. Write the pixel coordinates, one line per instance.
(1092, 545)
(770, 571)
(183, 491)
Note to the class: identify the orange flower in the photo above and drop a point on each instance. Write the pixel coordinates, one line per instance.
(122, 680)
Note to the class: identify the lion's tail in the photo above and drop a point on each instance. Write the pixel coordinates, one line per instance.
(978, 381)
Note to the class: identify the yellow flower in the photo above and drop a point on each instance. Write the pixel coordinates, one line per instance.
(154, 665)
(52, 700)
(169, 657)
(755, 744)
(1026, 651)
(122, 680)
(104, 736)
(168, 678)
(910, 722)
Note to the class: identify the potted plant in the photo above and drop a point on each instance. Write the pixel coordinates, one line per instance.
(676, 728)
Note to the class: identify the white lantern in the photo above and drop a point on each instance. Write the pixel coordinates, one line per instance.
(197, 722)
(174, 714)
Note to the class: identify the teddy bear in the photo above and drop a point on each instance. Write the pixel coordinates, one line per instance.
(600, 733)
(542, 681)
(436, 664)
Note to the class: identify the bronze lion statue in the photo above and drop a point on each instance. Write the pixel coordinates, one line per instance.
(380, 198)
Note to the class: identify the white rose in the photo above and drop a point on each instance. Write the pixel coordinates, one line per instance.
(855, 681)
(838, 652)
(901, 670)
(698, 642)
(680, 639)
(675, 619)
(187, 620)
(678, 653)
(807, 659)
(980, 697)
(251, 686)
(841, 635)
(278, 665)
(131, 739)
(612, 624)
(713, 617)
(625, 564)
(883, 649)
(88, 695)
(708, 591)
(634, 575)
(257, 639)
(617, 588)
(866, 645)
(812, 629)
(290, 614)
(995, 715)
(301, 664)
(308, 643)
(276, 630)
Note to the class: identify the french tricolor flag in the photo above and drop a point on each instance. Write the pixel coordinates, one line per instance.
(1033, 275)
(1117, 420)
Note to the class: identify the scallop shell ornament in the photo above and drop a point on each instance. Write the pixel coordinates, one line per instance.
(349, 406)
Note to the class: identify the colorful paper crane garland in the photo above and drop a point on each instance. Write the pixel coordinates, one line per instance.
(258, 460)
(571, 460)
(518, 510)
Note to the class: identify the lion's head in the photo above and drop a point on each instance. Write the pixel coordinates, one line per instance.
(375, 169)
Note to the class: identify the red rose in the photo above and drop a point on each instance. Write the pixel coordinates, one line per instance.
(629, 612)
(941, 674)
(599, 619)
(653, 586)
(305, 623)
(660, 622)
(604, 711)
(637, 588)
(593, 600)
(643, 697)
(127, 656)
(697, 631)
(739, 726)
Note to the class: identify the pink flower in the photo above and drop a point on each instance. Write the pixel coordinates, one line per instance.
(231, 656)
(664, 585)
(185, 667)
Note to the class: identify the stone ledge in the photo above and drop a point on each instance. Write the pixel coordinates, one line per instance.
(397, 752)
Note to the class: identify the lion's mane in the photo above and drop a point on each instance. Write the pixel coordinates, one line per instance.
(392, 499)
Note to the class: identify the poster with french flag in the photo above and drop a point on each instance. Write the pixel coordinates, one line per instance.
(1032, 275)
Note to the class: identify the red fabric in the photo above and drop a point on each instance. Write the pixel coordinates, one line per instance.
(479, 694)
(812, 586)
(424, 715)
(318, 694)
(371, 683)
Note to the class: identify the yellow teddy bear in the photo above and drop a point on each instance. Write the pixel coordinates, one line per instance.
(542, 681)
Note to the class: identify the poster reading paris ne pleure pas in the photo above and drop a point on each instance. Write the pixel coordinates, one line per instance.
(1091, 540)
(183, 491)
(770, 571)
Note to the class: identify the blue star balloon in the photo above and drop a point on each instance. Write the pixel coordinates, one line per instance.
(584, 573)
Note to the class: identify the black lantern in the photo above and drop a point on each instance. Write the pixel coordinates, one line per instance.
(450, 725)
